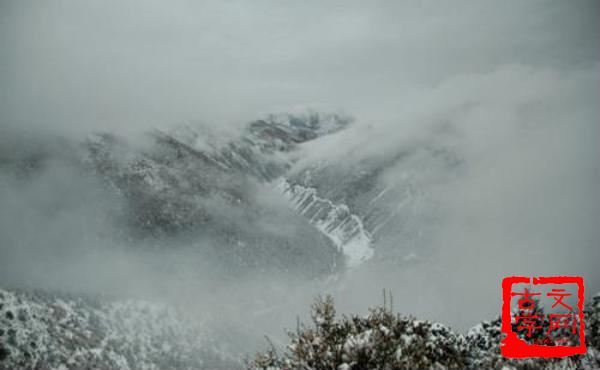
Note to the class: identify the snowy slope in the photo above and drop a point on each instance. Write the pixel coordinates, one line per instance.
(376, 201)
(48, 331)
(171, 188)
(345, 229)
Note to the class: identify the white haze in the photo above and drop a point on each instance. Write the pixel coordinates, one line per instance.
(523, 202)
(515, 83)
(112, 64)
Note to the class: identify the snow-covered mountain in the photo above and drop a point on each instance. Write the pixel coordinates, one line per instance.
(367, 206)
(187, 181)
(238, 204)
(184, 188)
(359, 212)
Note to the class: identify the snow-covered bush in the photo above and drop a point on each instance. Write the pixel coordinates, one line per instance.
(380, 340)
(387, 341)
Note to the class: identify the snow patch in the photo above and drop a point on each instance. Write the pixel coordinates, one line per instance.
(336, 221)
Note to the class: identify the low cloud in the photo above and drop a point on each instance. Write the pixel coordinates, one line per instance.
(520, 197)
(510, 89)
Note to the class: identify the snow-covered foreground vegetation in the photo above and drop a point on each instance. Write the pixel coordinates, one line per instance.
(385, 340)
(44, 331)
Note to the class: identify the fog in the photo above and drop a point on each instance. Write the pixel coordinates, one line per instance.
(511, 88)
(64, 231)
(523, 201)
(109, 64)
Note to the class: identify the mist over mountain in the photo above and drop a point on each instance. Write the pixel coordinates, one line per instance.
(179, 180)
(237, 231)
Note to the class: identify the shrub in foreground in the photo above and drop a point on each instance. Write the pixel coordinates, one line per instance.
(386, 341)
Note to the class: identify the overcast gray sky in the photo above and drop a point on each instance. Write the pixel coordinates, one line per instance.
(106, 64)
